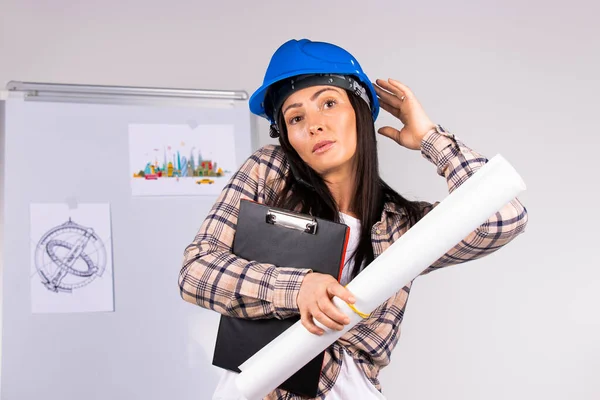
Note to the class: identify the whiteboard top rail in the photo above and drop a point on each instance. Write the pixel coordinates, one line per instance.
(47, 91)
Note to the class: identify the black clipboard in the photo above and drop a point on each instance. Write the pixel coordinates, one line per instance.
(286, 239)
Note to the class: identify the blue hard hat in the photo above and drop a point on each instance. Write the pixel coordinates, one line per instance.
(306, 58)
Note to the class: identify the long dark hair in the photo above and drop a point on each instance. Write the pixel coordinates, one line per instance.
(305, 191)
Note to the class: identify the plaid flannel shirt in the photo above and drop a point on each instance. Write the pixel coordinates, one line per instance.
(214, 278)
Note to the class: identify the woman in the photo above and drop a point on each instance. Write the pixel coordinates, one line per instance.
(322, 107)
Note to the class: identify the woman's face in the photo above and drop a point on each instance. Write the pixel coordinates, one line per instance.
(321, 126)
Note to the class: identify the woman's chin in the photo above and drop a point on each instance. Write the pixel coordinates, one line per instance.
(327, 167)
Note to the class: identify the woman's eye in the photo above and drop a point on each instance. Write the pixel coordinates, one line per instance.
(329, 103)
(295, 119)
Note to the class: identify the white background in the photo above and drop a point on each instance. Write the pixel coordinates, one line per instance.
(511, 77)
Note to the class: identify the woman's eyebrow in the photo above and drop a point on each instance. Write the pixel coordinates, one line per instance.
(312, 98)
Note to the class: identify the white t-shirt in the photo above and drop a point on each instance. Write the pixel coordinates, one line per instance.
(351, 382)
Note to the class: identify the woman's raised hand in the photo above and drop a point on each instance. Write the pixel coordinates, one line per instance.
(397, 99)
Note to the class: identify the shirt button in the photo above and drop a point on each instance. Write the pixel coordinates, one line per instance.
(378, 231)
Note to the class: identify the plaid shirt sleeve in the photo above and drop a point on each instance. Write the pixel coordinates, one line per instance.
(456, 162)
(215, 278)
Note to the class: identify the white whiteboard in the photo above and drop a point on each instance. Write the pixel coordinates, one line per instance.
(154, 345)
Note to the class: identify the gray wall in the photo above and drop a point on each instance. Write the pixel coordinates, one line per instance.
(516, 78)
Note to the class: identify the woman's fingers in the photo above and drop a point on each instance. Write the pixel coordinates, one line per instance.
(386, 85)
(390, 132)
(387, 97)
(395, 88)
(405, 90)
(329, 317)
(317, 311)
(333, 313)
(307, 321)
(335, 289)
(389, 108)
(320, 316)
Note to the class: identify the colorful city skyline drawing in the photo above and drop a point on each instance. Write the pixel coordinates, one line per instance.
(180, 159)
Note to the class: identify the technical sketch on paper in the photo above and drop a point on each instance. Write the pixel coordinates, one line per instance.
(71, 258)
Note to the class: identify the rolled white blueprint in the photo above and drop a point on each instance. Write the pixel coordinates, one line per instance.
(470, 205)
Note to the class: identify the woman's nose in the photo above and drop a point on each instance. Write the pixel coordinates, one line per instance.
(315, 128)
(315, 124)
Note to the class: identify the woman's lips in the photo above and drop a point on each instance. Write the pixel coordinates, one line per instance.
(323, 146)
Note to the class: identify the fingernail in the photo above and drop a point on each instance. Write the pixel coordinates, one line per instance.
(351, 299)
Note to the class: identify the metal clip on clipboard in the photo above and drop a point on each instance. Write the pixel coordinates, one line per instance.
(293, 221)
